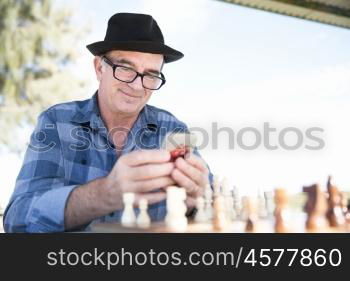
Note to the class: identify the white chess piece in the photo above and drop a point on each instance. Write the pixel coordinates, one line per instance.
(201, 215)
(262, 211)
(237, 206)
(176, 209)
(216, 185)
(128, 218)
(269, 201)
(220, 220)
(228, 200)
(208, 198)
(225, 187)
(143, 220)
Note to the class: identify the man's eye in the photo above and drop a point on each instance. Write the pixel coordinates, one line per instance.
(126, 69)
(151, 77)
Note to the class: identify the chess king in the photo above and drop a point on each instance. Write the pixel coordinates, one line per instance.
(67, 181)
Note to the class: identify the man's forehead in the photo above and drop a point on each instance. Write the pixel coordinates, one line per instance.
(136, 58)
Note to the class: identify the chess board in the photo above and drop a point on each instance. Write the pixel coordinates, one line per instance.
(223, 211)
(262, 226)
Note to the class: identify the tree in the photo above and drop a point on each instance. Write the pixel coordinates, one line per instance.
(37, 52)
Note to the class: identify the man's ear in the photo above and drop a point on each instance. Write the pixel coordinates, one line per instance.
(98, 67)
(161, 68)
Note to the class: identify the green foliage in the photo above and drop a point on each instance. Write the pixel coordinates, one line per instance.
(37, 49)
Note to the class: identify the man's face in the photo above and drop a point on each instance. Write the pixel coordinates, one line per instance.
(120, 97)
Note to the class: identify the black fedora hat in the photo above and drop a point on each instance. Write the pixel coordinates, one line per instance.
(134, 32)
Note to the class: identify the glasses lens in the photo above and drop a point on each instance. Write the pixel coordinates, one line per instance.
(128, 75)
(152, 82)
(125, 74)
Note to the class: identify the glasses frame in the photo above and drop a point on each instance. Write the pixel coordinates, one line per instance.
(115, 66)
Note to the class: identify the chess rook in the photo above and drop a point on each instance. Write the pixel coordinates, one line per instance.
(175, 218)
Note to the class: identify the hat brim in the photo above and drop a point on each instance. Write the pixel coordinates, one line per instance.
(102, 47)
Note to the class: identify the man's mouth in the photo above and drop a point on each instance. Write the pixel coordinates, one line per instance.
(129, 94)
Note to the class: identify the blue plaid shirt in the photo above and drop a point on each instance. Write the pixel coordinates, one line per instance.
(69, 147)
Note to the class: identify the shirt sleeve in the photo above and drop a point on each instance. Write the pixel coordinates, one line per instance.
(39, 199)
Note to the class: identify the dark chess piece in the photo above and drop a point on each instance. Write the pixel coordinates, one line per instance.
(334, 213)
(316, 208)
(250, 207)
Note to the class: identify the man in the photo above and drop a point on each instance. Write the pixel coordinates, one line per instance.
(84, 155)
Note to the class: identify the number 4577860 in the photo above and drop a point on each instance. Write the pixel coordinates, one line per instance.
(305, 257)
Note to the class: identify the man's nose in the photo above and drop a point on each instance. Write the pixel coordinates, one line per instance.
(137, 83)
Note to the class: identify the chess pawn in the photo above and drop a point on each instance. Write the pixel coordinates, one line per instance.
(200, 216)
(143, 220)
(251, 213)
(208, 198)
(128, 218)
(176, 209)
(219, 220)
(281, 201)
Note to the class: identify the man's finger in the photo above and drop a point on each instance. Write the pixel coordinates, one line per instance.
(197, 162)
(184, 181)
(191, 202)
(152, 184)
(150, 171)
(151, 198)
(193, 173)
(141, 157)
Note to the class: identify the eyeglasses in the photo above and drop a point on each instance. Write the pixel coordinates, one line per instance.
(128, 75)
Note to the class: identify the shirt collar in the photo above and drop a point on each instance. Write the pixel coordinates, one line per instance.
(87, 111)
(90, 113)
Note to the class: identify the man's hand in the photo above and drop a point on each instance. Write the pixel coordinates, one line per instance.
(142, 172)
(191, 173)
(147, 173)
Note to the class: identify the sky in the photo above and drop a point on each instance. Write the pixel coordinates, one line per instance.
(242, 68)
